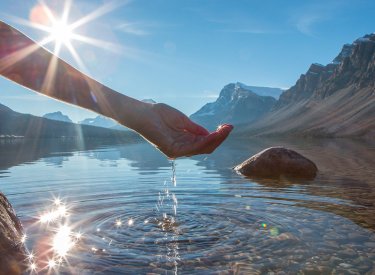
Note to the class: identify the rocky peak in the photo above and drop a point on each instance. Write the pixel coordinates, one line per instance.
(59, 116)
(346, 51)
(354, 65)
(237, 103)
(148, 100)
(234, 91)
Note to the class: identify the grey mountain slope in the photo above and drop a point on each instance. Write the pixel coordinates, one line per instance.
(336, 100)
(29, 126)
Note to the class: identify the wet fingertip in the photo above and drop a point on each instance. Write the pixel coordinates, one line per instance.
(225, 127)
(230, 126)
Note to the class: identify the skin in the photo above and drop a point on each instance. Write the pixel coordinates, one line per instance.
(32, 66)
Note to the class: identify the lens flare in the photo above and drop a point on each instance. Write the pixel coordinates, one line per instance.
(23, 238)
(33, 267)
(57, 201)
(51, 263)
(78, 235)
(118, 223)
(62, 241)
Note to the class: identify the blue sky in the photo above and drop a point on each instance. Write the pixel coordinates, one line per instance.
(183, 52)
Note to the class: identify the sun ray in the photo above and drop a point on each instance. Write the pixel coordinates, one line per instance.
(28, 23)
(62, 33)
(126, 51)
(49, 79)
(20, 54)
(98, 43)
(97, 13)
(67, 6)
(76, 56)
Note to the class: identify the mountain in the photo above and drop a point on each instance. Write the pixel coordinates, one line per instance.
(99, 121)
(29, 126)
(104, 122)
(263, 91)
(148, 100)
(58, 116)
(333, 100)
(237, 103)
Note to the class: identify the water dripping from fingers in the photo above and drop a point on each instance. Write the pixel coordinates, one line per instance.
(167, 206)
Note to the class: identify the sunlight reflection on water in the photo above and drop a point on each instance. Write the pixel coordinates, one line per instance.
(54, 225)
(57, 238)
(117, 210)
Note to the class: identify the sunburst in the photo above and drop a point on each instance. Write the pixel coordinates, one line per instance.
(61, 32)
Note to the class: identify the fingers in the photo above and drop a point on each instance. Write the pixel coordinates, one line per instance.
(194, 128)
(209, 143)
(216, 138)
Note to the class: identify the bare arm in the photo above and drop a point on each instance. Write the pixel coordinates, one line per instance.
(30, 65)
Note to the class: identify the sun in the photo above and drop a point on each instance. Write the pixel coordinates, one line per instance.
(61, 32)
(64, 31)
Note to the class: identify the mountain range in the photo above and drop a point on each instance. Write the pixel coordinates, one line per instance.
(98, 121)
(333, 100)
(29, 126)
(104, 122)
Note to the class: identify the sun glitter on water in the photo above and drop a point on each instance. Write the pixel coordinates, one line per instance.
(55, 226)
(62, 241)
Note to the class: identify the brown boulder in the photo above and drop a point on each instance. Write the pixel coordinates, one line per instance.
(275, 162)
(12, 250)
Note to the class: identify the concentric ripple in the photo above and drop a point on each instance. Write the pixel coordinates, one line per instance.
(233, 233)
(129, 222)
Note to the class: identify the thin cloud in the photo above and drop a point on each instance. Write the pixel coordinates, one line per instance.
(133, 28)
(307, 17)
(249, 31)
(307, 23)
(248, 26)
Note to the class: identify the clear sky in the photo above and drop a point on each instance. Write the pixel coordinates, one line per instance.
(183, 52)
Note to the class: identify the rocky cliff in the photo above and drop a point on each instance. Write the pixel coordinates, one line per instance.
(337, 99)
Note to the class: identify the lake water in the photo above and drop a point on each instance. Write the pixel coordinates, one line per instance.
(99, 208)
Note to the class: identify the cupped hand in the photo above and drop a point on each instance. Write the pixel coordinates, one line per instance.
(174, 134)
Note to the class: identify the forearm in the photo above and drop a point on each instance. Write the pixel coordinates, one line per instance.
(34, 67)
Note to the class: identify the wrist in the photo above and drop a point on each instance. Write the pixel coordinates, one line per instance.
(132, 113)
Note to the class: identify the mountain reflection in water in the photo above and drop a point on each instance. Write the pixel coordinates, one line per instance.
(224, 221)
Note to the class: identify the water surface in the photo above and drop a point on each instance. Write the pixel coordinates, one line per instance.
(122, 213)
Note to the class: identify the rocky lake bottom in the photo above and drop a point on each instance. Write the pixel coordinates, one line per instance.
(102, 208)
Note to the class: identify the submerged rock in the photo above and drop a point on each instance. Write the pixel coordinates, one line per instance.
(12, 250)
(275, 162)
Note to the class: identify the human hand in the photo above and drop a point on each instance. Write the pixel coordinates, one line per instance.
(174, 134)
